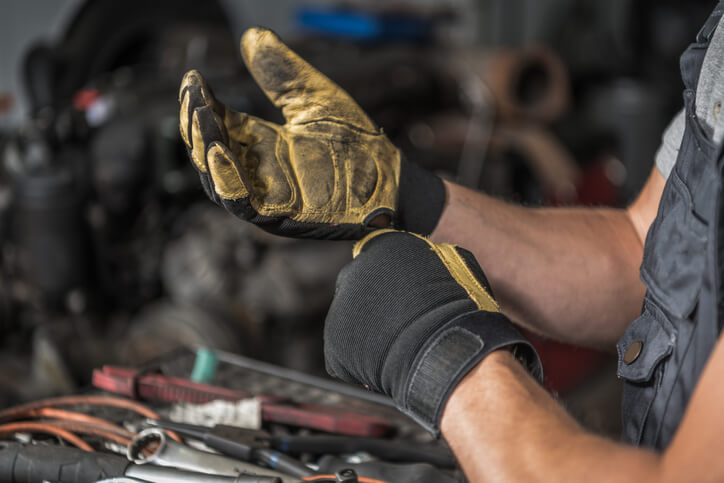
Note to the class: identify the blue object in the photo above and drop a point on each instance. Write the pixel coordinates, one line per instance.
(204, 366)
(364, 26)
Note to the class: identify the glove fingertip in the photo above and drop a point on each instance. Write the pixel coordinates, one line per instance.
(255, 38)
(225, 174)
(190, 78)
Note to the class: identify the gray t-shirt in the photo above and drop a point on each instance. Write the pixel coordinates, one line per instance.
(709, 99)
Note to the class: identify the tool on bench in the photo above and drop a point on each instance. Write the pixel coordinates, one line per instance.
(243, 445)
(236, 442)
(300, 377)
(388, 450)
(61, 464)
(160, 388)
(151, 446)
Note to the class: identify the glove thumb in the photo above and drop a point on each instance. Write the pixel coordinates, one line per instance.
(302, 92)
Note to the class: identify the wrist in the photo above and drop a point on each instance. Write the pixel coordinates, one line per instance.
(504, 356)
(477, 385)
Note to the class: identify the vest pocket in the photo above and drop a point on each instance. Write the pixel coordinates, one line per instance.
(642, 353)
(674, 260)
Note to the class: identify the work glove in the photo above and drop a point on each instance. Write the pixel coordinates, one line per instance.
(326, 173)
(410, 318)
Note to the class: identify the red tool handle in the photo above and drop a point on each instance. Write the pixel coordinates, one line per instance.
(157, 387)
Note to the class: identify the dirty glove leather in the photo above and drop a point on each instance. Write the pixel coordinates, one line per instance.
(326, 173)
(410, 318)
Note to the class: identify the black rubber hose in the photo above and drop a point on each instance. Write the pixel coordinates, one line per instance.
(61, 464)
(282, 463)
(19, 463)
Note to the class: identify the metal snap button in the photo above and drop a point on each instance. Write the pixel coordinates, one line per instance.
(633, 351)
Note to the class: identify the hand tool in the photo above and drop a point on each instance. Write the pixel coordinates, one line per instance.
(303, 378)
(61, 464)
(388, 450)
(164, 452)
(158, 387)
(236, 442)
(243, 445)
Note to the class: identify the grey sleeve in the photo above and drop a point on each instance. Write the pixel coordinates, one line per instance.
(670, 143)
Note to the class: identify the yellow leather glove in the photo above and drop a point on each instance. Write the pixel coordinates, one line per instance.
(326, 173)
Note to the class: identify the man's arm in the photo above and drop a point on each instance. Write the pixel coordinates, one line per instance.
(503, 426)
(569, 273)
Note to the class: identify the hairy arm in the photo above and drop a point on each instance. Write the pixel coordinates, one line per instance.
(568, 273)
(503, 426)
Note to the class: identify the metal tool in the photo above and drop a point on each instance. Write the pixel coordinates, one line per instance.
(388, 450)
(243, 445)
(165, 452)
(233, 441)
(158, 387)
(301, 377)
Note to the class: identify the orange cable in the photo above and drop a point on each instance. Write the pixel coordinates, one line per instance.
(20, 411)
(87, 429)
(37, 427)
(62, 414)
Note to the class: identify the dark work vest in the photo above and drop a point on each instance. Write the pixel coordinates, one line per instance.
(662, 354)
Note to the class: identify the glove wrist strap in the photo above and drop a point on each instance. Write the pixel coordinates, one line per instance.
(451, 353)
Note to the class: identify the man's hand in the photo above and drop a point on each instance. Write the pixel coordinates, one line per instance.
(327, 173)
(410, 318)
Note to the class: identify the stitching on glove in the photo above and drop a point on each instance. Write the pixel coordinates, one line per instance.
(464, 276)
(360, 244)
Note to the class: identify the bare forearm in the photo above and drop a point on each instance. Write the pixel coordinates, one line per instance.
(503, 426)
(569, 273)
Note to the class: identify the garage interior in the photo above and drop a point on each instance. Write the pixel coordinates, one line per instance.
(119, 277)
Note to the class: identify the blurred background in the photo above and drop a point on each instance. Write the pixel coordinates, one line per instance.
(111, 253)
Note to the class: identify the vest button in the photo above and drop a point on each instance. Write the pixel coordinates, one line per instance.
(633, 351)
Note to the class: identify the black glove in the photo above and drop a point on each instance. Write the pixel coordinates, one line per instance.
(328, 172)
(410, 318)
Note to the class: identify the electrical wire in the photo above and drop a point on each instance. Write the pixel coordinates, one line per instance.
(23, 410)
(90, 430)
(64, 415)
(10, 429)
(107, 401)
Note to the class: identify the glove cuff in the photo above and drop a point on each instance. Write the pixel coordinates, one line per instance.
(420, 199)
(450, 354)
